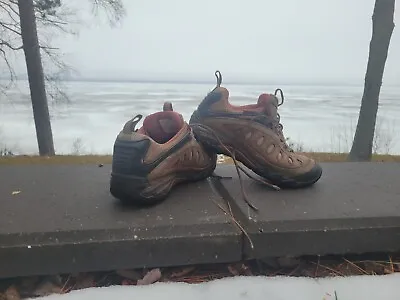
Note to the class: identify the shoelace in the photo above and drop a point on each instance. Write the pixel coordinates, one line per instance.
(237, 166)
(274, 123)
(276, 126)
(279, 126)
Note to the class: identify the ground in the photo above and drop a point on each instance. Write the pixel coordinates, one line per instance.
(309, 267)
(316, 267)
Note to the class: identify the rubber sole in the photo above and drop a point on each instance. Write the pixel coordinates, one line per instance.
(138, 191)
(210, 142)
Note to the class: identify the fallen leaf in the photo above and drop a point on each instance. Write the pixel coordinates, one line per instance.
(15, 193)
(232, 269)
(246, 270)
(151, 277)
(183, 272)
(12, 294)
(239, 269)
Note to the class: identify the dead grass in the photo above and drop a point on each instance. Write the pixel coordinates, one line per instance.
(58, 159)
(339, 157)
(106, 159)
(312, 267)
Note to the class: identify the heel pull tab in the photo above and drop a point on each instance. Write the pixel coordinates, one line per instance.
(167, 106)
(281, 94)
(218, 75)
(129, 126)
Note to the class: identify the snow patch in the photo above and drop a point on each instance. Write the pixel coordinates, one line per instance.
(385, 287)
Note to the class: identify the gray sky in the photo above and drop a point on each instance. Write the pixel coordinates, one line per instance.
(294, 40)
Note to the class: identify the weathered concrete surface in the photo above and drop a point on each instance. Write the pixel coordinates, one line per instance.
(64, 220)
(354, 208)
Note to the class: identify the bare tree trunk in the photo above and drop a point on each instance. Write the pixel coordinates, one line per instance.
(36, 78)
(382, 29)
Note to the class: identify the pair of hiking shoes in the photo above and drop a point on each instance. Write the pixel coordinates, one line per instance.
(148, 162)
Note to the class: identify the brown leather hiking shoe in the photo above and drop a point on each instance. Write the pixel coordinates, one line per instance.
(254, 136)
(148, 162)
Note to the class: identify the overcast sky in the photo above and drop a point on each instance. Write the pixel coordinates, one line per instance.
(294, 40)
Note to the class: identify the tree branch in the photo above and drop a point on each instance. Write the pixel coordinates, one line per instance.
(8, 45)
(14, 10)
(9, 28)
(114, 9)
(9, 67)
(50, 15)
(10, 15)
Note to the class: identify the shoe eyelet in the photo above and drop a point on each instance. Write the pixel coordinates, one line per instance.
(198, 156)
(279, 156)
(270, 149)
(260, 141)
(191, 154)
(248, 135)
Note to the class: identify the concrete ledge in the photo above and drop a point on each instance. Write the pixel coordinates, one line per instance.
(65, 220)
(62, 219)
(354, 208)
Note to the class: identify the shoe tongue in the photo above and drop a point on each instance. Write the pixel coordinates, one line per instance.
(270, 104)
